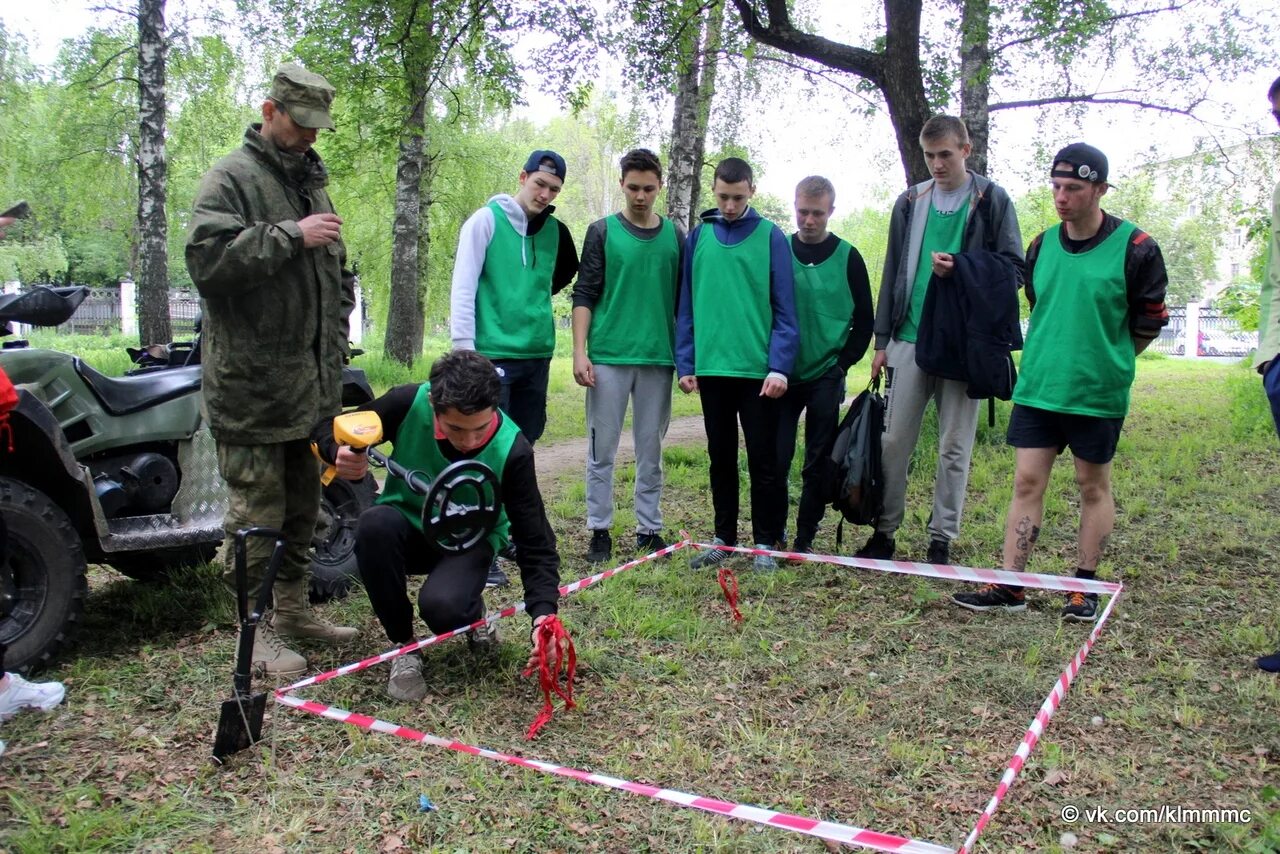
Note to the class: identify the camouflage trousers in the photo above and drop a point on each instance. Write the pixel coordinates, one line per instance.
(273, 486)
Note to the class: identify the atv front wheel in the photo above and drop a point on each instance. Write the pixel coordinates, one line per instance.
(47, 567)
(333, 564)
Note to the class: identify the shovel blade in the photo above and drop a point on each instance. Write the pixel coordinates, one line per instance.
(239, 724)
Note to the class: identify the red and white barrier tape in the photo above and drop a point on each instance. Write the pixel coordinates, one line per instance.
(1038, 724)
(510, 610)
(936, 570)
(824, 830)
(813, 827)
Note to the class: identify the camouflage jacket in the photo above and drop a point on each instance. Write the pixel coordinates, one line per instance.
(275, 331)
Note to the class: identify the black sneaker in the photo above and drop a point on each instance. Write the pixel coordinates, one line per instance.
(601, 548)
(879, 547)
(989, 597)
(939, 552)
(710, 558)
(802, 545)
(1270, 663)
(497, 578)
(484, 640)
(650, 542)
(1081, 607)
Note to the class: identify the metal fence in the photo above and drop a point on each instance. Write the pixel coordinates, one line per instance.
(1216, 334)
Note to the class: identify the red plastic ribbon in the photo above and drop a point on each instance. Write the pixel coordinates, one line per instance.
(729, 584)
(550, 666)
(6, 430)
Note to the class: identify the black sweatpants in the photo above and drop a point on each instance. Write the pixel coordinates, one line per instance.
(389, 549)
(820, 399)
(725, 402)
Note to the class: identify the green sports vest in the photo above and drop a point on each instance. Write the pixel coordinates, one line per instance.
(732, 314)
(416, 448)
(513, 297)
(942, 233)
(823, 307)
(634, 322)
(1079, 355)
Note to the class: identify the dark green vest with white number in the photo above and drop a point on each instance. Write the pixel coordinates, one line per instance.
(824, 307)
(634, 321)
(1079, 355)
(732, 315)
(513, 297)
(417, 449)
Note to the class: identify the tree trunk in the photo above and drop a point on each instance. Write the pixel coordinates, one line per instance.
(706, 93)
(153, 233)
(403, 341)
(903, 85)
(683, 163)
(975, 78)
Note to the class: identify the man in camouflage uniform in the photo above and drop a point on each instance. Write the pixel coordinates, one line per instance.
(266, 253)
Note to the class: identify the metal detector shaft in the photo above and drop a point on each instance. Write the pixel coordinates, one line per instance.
(416, 480)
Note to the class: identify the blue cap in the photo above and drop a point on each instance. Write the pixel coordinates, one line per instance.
(545, 160)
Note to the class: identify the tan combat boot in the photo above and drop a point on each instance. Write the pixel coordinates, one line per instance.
(295, 618)
(271, 656)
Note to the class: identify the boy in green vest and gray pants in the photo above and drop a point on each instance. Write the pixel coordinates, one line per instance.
(736, 344)
(833, 307)
(623, 348)
(1096, 285)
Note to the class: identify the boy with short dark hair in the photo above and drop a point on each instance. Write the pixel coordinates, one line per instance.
(623, 347)
(454, 416)
(736, 344)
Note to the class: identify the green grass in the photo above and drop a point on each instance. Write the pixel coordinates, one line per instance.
(849, 695)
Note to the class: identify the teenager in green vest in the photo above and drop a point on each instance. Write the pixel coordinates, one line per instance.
(454, 416)
(736, 344)
(956, 210)
(513, 255)
(1267, 360)
(624, 307)
(1096, 285)
(833, 307)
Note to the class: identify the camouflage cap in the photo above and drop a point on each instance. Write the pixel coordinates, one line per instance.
(304, 94)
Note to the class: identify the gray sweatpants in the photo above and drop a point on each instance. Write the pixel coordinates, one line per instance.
(648, 387)
(908, 392)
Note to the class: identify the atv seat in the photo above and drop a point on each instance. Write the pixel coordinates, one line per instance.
(126, 395)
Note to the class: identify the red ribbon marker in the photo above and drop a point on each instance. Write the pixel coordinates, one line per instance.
(552, 633)
(729, 584)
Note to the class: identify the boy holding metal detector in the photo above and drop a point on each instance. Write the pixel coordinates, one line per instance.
(440, 513)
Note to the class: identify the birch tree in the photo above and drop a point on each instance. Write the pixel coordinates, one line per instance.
(153, 261)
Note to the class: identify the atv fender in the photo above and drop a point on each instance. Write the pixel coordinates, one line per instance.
(43, 458)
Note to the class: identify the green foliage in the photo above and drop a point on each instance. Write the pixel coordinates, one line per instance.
(1241, 302)
(41, 260)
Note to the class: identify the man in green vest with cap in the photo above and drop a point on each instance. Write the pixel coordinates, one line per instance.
(452, 417)
(833, 308)
(512, 257)
(265, 251)
(1096, 285)
(623, 348)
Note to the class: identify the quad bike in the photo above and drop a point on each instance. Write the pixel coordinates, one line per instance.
(121, 471)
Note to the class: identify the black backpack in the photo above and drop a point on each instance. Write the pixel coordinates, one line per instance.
(856, 485)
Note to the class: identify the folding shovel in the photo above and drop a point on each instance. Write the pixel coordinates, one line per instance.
(240, 723)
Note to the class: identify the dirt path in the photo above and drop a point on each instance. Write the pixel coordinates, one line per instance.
(569, 455)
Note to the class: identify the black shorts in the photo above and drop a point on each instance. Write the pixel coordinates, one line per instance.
(1090, 438)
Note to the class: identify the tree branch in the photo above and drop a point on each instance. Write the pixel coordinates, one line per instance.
(101, 66)
(780, 33)
(1094, 99)
(1113, 19)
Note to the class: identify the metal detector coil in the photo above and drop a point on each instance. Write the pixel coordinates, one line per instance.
(462, 508)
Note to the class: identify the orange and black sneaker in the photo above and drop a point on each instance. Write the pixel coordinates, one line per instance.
(990, 597)
(1081, 607)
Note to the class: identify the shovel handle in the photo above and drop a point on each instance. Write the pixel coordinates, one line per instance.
(249, 621)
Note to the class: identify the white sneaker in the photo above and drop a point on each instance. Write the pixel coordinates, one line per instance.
(21, 694)
(406, 683)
